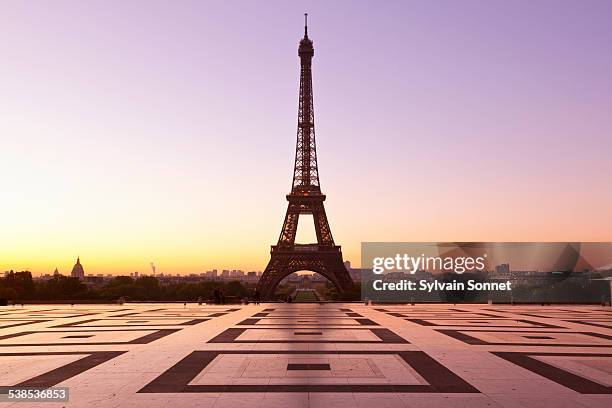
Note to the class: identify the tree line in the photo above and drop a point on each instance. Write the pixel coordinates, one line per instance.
(20, 287)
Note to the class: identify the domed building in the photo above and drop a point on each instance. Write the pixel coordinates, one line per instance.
(77, 270)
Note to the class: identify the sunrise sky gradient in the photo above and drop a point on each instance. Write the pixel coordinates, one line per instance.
(164, 131)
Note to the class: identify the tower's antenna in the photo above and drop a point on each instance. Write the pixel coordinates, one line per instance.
(305, 24)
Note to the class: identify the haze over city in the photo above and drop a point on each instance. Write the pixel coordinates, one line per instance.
(167, 134)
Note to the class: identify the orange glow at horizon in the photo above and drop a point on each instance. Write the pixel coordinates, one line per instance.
(443, 123)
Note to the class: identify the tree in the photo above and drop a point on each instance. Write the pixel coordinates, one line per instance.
(21, 284)
(235, 288)
(63, 287)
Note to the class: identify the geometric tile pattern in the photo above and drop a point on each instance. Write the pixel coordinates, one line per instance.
(311, 355)
(586, 373)
(27, 361)
(400, 371)
(549, 338)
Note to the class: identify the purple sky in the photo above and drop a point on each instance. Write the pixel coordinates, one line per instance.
(165, 130)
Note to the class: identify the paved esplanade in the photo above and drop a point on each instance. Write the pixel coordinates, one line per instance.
(310, 355)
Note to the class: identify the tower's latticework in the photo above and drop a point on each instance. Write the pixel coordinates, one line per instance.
(287, 257)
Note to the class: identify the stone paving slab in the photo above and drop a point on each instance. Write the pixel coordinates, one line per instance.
(310, 355)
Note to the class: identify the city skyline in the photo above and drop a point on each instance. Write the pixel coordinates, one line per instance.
(139, 141)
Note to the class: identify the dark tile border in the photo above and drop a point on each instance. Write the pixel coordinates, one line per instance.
(331, 312)
(144, 315)
(56, 376)
(563, 316)
(545, 309)
(340, 315)
(315, 367)
(79, 324)
(386, 336)
(565, 378)
(176, 379)
(591, 323)
(294, 321)
(20, 324)
(309, 316)
(173, 314)
(539, 337)
(446, 315)
(466, 338)
(248, 322)
(68, 313)
(534, 324)
(148, 338)
(78, 336)
(315, 308)
(46, 315)
(17, 310)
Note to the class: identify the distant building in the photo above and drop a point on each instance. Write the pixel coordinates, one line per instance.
(56, 272)
(77, 270)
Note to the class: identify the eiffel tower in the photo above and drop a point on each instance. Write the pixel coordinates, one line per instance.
(287, 257)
